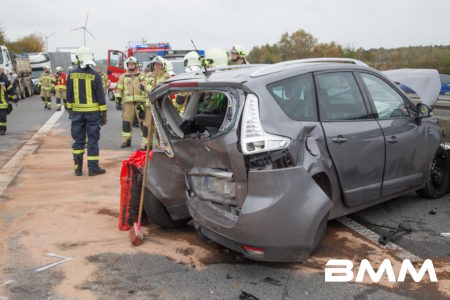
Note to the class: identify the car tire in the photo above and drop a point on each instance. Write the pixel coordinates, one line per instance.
(437, 183)
(158, 214)
(319, 234)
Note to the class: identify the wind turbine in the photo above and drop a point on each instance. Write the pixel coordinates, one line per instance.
(84, 28)
(46, 39)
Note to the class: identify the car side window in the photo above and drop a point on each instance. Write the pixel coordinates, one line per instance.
(388, 102)
(296, 97)
(339, 97)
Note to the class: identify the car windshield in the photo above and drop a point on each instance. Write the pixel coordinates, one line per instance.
(36, 73)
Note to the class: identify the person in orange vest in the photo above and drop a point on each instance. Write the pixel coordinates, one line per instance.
(60, 88)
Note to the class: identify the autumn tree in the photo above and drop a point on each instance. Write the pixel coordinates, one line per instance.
(27, 44)
(2, 36)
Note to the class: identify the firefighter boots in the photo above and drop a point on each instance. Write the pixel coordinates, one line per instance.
(78, 166)
(96, 171)
(126, 144)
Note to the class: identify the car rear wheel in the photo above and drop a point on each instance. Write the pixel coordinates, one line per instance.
(158, 214)
(437, 183)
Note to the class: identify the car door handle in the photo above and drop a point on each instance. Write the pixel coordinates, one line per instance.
(392, 140)
(339, 139)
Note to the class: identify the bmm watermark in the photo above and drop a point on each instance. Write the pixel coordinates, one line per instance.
(340, 270)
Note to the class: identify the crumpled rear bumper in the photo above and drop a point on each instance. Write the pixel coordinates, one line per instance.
(280, 215)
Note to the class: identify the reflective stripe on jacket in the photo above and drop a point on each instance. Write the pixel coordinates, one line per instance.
(6, 91)
(85, 91)
(61, 81)
(47, 80)
(129, 87)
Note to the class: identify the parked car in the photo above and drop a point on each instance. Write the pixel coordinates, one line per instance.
(264, 155)
(445, 84)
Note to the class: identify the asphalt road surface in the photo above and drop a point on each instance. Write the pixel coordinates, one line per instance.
(47, 210)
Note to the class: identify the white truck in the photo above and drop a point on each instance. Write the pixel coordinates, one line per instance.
(18, 69)
(51, 59)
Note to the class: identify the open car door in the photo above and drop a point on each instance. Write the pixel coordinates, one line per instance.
(116, 66)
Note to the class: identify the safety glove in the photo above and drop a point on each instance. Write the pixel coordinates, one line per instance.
(118, 103)
(141, 109)
(103, 118)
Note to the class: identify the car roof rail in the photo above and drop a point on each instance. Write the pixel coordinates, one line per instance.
(286, 65)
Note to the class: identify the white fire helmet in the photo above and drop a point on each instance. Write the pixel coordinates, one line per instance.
(216, 58)
(85, 56)
(191, 62)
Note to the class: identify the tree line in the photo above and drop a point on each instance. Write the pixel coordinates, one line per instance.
(26, 44)
(302, 44)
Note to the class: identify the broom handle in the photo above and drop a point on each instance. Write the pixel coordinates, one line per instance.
(144, 178)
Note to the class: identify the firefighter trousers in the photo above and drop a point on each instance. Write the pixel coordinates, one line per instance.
(3, 114)
(60, 94)
(149, 127)
(86, 123)
(129, 112)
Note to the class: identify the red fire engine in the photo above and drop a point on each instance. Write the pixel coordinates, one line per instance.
(143, 52)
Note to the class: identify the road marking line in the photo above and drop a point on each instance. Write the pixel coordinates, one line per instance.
(48, 266)
(373, 236)
(13, 166)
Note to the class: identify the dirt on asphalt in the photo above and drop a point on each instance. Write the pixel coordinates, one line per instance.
(49, 210)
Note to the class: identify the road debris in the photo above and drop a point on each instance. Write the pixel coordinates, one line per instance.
(393, 234)
(432, 211)
(49, 266)
(247, 296)
(445, 234)
(270, 280)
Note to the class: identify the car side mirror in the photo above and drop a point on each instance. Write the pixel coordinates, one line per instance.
(423, 110)
(109, 72)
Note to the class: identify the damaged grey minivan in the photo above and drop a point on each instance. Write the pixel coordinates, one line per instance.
(262, 156)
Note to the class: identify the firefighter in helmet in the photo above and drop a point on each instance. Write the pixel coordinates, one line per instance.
(47, 81)
(238, 55)
(105, 79)
(157, 75)
(214, 58)
(60, 87)
(192, 62)
(87, 107)
(131, 96)
(7, 95)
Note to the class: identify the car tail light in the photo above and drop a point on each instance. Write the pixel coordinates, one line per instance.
(253, 137)
(163, 141)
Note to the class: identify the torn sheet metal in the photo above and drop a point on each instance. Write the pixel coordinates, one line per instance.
(425, 82)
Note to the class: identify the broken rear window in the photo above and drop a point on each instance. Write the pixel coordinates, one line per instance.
(196, 114)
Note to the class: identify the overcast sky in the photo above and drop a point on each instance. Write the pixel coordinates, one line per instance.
(355, 23)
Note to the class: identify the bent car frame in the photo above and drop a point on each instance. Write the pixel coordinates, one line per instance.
(262, 156)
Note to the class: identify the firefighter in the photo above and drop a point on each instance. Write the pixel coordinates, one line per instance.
(60, 88)
(214, 102)
(105, 80)
(130, 98)
(7, 96)
(238, 56)
(157, 75)
(87, 107)
(192, 62)
(46, 81)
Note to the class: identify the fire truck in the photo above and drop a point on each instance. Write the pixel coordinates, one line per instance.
(144, 52)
